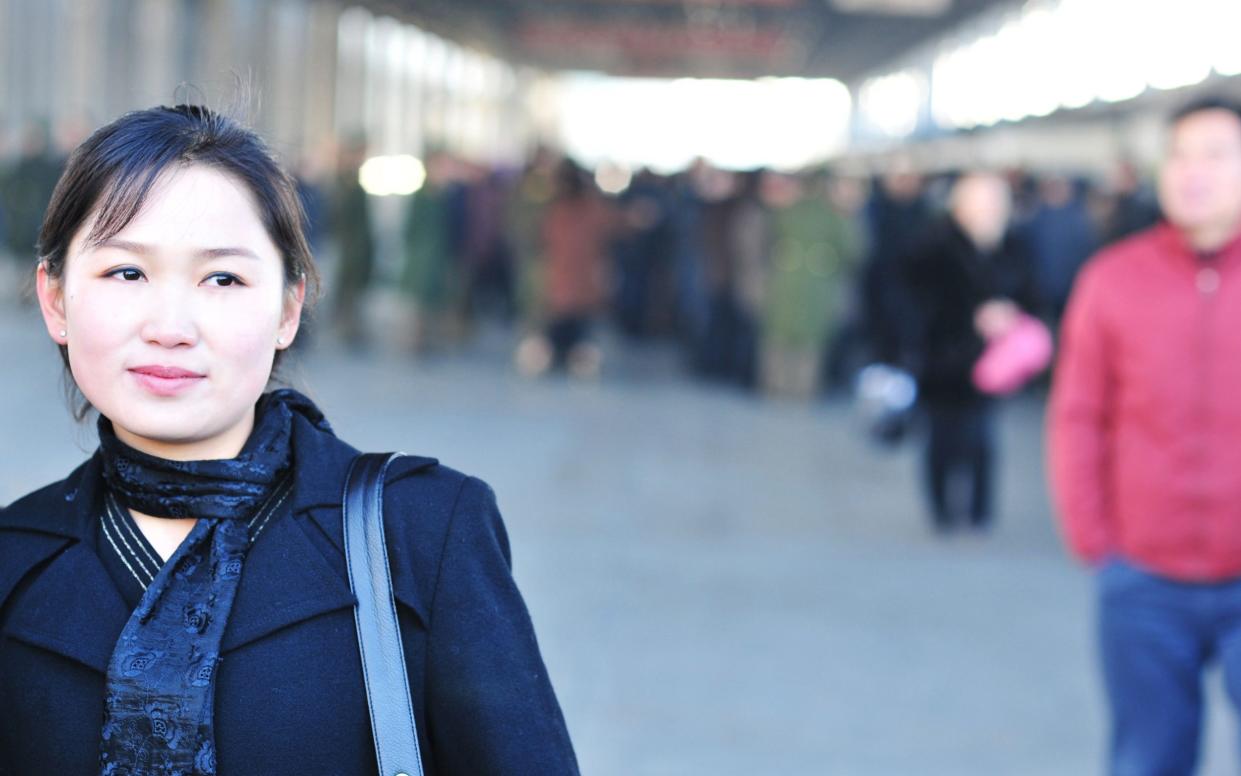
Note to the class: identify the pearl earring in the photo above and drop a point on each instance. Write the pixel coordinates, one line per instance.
(279, 340)
(64, 334)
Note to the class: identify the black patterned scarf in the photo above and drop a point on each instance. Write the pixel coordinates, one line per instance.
(161, 679)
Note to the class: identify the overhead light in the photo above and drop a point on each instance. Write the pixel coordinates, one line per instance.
(892, 103)
(613, 178)
(384, 176)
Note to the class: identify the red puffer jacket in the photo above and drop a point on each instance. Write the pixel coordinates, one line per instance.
(1145, 417)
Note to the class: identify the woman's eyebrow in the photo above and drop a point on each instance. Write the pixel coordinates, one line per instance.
(215, 253)
(142, 249)
(124, 245)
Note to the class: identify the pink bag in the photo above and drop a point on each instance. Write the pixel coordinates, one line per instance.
(1012, 360)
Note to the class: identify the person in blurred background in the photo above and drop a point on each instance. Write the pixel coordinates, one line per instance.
(749, 234)
(1132, 205)
(486, 253)
(846, 352)
(644, 302)
(715, 352)
(812, 249)
(427, 274)
(1145, 447)
(969, 283)
(523, 218)
(313, 178)
(1060, 237)
(576, 229)
(898, 216)
(694, 221)
(25, 188)
(351, 223)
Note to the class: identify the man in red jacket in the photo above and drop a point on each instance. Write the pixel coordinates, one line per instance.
(1145, 446)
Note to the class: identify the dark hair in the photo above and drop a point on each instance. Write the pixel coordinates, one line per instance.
(1201, 104)
(112, 173)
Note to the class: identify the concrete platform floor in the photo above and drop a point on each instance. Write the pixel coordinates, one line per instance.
(721, 585)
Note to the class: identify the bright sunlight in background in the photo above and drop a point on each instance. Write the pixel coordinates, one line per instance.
(1046, 55)
(779, 122)
(401, 174)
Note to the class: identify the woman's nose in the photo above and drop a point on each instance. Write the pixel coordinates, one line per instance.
(170, 322)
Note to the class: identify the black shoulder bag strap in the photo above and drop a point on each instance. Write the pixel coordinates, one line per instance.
(379, 635)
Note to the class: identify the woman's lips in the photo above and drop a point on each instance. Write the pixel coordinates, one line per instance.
(165, 380)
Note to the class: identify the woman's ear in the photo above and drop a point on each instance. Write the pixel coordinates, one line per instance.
(291, 319)
(51, 295)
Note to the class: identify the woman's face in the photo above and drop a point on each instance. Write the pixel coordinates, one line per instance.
(173, 323)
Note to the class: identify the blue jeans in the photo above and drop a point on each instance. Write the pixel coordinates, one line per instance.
(1156, 637)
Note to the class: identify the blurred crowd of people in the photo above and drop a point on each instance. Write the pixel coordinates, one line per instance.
(747, 272)
(779, 282)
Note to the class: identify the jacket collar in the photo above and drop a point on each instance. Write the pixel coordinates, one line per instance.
(287, 578)
(320, 464)
(67, 509)
(1174, 243)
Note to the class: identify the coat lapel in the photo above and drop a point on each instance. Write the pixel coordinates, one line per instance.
(76, 610)
(322, 465)
(286, 580)
(287, 577)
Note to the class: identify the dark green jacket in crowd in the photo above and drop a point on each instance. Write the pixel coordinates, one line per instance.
(524, 219)
(24, 193)
(812, 254)
(352, 223)
(428, 246)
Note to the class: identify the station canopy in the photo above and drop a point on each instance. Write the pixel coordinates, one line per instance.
(841, 39)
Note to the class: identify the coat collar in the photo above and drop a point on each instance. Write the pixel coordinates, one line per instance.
(1174, 243)
(66, 509)
(287, 579)
(321, 463)
(80, 613)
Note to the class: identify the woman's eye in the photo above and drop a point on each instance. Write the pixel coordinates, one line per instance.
(224, 280)
(127, 273)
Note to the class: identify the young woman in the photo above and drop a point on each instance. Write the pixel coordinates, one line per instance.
(179, 604)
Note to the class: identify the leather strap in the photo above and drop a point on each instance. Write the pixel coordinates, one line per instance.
(379, 634)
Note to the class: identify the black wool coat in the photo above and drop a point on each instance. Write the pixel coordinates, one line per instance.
(289, 696)
(948, 280)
